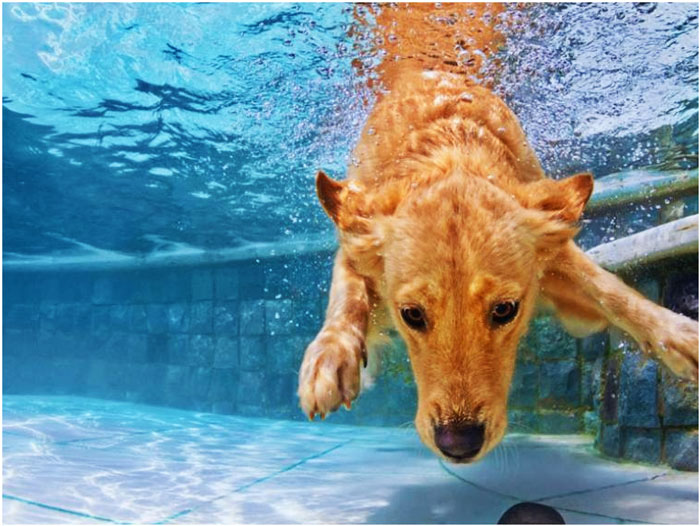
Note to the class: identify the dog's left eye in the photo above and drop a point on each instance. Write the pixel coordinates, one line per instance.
(414, 317)
(504, 312)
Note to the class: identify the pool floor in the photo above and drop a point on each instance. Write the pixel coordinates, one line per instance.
(80, 460)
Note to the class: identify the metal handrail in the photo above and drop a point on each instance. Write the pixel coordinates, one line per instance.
(615, 190)
(610, 192)
(673, 239)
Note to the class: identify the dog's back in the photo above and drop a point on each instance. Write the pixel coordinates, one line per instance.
(429, 101)
(435, 111)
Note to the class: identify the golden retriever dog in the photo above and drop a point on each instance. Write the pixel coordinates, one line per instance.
(450, 231)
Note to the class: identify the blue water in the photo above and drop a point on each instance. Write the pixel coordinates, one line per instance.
(142, 129)
(134, 128)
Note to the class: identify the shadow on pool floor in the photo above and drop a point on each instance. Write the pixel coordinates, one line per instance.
(80, 460)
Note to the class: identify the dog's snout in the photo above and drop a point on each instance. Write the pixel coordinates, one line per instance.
(460, 441)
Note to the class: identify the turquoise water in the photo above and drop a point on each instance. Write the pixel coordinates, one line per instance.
(166, 262)
(135, 128)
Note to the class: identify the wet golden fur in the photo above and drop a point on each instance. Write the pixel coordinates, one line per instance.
(448, 208)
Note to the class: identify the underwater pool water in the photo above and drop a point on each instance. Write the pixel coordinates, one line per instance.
(147, 389)
(134, 128)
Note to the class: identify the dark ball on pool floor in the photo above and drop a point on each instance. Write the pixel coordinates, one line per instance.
(531, 513)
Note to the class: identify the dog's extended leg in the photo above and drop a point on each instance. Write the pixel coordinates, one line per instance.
(588, 297)
(330, 372)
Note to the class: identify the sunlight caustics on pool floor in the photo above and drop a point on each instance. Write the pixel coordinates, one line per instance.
(80, 460)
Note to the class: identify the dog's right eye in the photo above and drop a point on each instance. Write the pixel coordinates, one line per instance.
(504, 312)
(414, 317)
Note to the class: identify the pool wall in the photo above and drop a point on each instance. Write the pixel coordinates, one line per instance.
(646, 413)
(228, 338)
(222, 338)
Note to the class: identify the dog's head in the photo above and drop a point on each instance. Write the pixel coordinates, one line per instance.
(458, 264)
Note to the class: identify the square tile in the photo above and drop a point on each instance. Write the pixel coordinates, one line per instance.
(353, 498)
(669, 499)
(16, 512)
(531, 469)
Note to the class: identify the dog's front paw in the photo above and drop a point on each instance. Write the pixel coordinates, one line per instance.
(675, 342)
(330, 373)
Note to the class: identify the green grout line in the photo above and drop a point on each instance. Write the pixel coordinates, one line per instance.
(61, 510)
(92, 439)
(477, 486)
(609, 486)
(255, 482)
(108, 436)
(126, 434)
(291, 467)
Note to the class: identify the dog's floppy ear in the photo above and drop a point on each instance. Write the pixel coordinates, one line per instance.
(330, 193)
(562, 200)
(554, 208)
(342, 202)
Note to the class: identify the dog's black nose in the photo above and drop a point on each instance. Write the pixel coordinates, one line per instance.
(460, 441)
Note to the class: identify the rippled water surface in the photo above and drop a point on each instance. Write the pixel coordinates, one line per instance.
(143, 127)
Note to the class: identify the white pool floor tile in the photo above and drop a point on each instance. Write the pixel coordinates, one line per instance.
(668, 499)
(72, 460)
(319, 497)
(562, 470)
(17, 512)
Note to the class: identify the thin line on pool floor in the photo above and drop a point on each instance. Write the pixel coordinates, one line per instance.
(256, 482)
(600, 488)
(56, 508)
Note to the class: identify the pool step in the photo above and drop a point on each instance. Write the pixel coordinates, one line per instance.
(673, 239)
(615, 190)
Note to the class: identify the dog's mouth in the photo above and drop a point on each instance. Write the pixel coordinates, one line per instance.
(459, 459)
(468, 457)
(460, 441)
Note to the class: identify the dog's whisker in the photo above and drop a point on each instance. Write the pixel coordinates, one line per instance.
(498, 455)
(515, 453)
(505, 457)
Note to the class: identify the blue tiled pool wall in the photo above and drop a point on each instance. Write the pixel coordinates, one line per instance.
(604, 385)
(226, 338)
(229, 339)
(646, 414)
